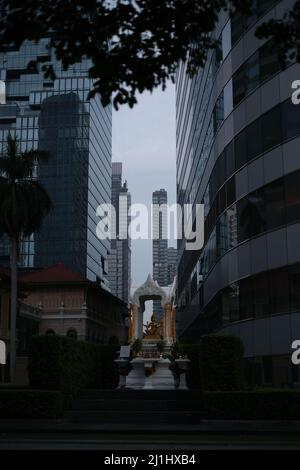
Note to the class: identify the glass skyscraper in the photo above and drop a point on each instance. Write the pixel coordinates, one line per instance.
(238, 135)
(119, 261)
(55, 115)
(164, 259)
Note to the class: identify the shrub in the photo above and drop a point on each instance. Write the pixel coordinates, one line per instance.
(216, 363)
(34, 404)
(192, 351)
(61, 363)
(270, 404)
(107, 375)
(68, 365)
(221, 363)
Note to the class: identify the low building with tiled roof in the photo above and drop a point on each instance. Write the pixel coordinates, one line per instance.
(58, 300)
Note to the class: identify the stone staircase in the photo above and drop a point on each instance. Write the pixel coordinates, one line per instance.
(136, 407)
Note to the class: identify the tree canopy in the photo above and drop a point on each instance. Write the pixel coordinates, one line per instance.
(133, 45)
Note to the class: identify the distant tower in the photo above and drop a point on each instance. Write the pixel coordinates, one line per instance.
(164, 259)
(119, 262)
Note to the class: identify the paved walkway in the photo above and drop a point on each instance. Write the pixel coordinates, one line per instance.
(206, 426)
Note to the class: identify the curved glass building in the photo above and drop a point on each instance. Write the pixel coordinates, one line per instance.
(238, 137)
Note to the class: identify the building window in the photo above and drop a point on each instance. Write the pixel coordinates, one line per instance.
(226, 40)
(72, 333)
(240, 150)
(274, 202)
(251, 217)
(292, 195)
(241, 23)
(294, 283)
(254, 140)
(290, 120)
(268, 60)
(2, 92)
(271, 128)
(261, 295)
(279, 291)
(267, 369)
(246, 299)
(50, 332)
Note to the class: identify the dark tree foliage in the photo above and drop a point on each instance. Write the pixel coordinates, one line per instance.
(133, 45)
(285, 33)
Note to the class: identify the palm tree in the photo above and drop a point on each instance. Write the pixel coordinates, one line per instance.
(23, 205)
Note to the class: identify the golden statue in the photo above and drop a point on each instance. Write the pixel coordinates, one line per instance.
(153, 329)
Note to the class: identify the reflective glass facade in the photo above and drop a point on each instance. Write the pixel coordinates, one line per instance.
(237, 138)
(119, 261)
(56, 116)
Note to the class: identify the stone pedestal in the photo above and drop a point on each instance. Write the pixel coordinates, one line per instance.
(136, 378)
(183, 367)
(122, 366)
(163, 378)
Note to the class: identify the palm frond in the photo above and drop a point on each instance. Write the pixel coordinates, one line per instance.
(38, 206)
(17, 166)
(36, 156)
(12, 146)
(24, 202)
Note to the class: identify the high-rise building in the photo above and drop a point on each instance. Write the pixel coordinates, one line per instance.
(238, 135)
(55, 115)
(119, 262)
(164, 260)
(171, 265)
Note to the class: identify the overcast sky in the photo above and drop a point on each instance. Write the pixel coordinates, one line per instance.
(144, 140)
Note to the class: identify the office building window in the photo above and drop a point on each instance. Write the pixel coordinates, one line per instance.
(294, 283)
(261, 295)
(271, 128)
(240, 150)
(290, 120)
(274, 202)
(252, 72)
(292, 195)
(279, 291)
(228, 99)
(2, 92)
(251, 216)
(254, 140)
(226, 39)
(268, 60)
(246, 299)
(230, 161)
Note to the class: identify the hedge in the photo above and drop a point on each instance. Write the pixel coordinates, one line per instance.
(221, 362)
(61, 363)
(107, 374)
(193, 374)
(35, 404)
(65, 364)
(268, 405)
(216, 363)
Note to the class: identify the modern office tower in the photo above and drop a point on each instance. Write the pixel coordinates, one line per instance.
(56, 116)
(119, 261)
(238, 153)
(164, 262)
(171, 265)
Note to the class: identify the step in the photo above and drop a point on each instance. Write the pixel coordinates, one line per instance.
(142, 417)
(128, 394)
(96, 404)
